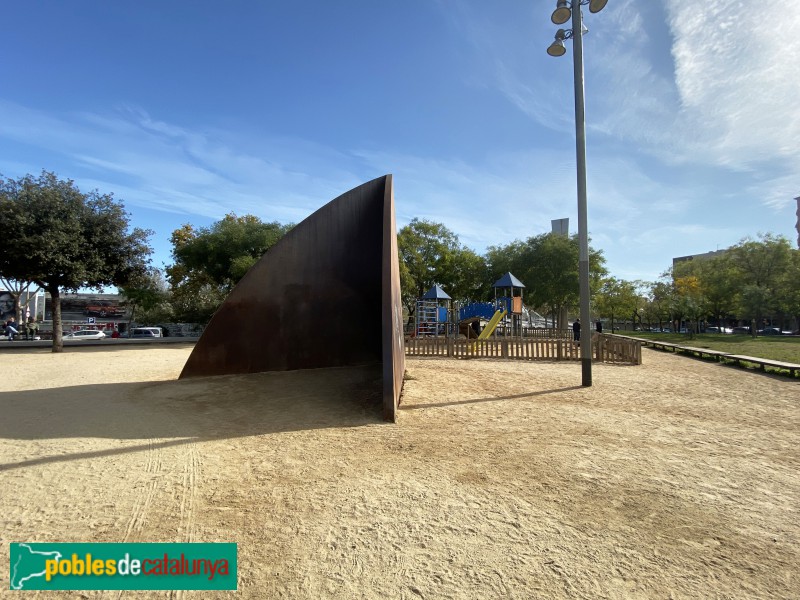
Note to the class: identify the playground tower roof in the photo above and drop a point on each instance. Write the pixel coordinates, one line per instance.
(436, 293)
(507, 281)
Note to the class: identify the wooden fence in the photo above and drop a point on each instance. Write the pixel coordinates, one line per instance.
(605, 348)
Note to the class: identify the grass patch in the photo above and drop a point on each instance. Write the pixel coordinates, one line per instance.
(773, 347)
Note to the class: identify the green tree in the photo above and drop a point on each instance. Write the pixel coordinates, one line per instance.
(691, 303)
(548, 265)
(429, 254)
(210, 261)
(144, 292)
(62, 239)
(617, 297)
(789, 290)
(661, 297)
(719, 286)
(761, 265)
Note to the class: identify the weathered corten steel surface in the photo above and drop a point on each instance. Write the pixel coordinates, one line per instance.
(394, 356)
(326, 295)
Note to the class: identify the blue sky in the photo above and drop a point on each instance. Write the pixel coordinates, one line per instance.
(189, 110)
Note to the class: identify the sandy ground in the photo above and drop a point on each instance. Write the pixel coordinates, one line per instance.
(674, 479)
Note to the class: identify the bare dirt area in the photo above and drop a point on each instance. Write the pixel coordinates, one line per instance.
(501, 479)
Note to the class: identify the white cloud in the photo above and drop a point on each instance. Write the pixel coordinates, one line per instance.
(714, 85)
(737, 72)
(159, 165)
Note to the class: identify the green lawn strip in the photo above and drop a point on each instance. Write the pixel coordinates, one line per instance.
(782, 348)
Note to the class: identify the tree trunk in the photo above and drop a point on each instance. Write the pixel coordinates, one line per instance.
(131, 320)
(58, 339)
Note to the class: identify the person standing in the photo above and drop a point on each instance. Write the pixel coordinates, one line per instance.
(599, 327)
(576, 330)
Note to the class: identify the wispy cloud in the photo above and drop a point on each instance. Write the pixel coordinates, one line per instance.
(159, 165)
(722, 92)
(736, 73)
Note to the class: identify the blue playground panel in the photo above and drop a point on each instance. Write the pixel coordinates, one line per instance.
(442, 314)
(484, 310)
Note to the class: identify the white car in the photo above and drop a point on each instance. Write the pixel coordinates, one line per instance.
(85, 334)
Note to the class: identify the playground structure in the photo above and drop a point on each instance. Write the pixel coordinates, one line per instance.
(435, 315)
(497, 330)
(433, 311)
(287, 312)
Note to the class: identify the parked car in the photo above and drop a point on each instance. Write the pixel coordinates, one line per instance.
(770, 331)
(85, 334)
(145, 332)
(741, 330)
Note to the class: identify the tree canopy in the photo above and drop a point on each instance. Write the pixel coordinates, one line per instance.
(548, 265)
(761, 266)
(429, 254)
(62, 239)
(755, 279)
(209, 261)
(146, 292)
(617, 298)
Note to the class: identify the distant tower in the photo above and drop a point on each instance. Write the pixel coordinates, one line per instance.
(797, 225)
(560, 226)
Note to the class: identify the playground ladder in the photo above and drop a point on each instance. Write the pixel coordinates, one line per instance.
(427, 317)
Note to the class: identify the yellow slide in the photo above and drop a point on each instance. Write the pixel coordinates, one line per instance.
(489, 329)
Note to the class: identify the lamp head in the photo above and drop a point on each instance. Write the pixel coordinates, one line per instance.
(562, 13)
(557, 48)
(596, 6)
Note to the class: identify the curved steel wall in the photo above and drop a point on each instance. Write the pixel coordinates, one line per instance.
(326, 295)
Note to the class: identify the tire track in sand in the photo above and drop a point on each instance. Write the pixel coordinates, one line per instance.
(141, 505)
(143, 501)
(188, 510)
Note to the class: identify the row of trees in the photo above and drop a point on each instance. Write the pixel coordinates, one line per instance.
(757, 279)
(548, 264)
(60, 239)
(208, 262)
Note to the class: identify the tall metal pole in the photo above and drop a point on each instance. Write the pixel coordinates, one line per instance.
(583, 234)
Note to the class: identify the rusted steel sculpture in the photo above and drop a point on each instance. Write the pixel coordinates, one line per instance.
(326, 295)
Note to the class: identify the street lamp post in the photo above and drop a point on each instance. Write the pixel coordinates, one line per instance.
(565, 10)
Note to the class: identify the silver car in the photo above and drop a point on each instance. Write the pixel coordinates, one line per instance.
(85, 334)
